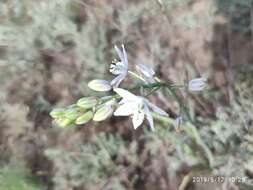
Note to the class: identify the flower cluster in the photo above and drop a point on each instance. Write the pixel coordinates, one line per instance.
(122, 102)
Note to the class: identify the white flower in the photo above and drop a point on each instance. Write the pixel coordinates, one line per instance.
(146, 70)
(120, 68)
(138, 107)
(178, 123)
(197, 84)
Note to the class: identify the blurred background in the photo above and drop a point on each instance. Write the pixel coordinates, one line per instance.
(50, 50)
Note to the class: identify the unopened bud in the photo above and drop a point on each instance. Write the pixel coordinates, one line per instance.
(197, 84)
(84, 118)
(103, 113)
(99, 85)
(87, 102)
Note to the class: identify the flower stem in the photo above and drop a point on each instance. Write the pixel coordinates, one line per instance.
(137, 76)
(152, 91)
(156, 85)
(148, 86)
(179, 101)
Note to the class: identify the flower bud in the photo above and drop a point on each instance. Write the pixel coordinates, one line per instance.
(146, 70)
(63, 123)
(197, 84)
(111, 102)
(84, 118)
(57, 113)
(99, 85)
(103, 113)
(87, 102)
(178, 123)
(71, 114)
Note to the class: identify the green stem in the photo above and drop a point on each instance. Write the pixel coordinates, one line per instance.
(152, 91)
(145, 86)
(155, 85)
(137, 76)
(148, 86)
(181, 104)
(177, 98)
(158, 84)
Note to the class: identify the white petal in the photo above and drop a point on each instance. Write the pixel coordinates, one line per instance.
(125, 109)
(157, 109)
(118, 68)
(123, 101)
(146, 70)
(178, 122)
(197, 80)
(120, 54)
(117, 80)
(125, 56)
(197, 84)
(138, 118)
(122, 67)
(126, 94)
(149, 118)
(113, 69)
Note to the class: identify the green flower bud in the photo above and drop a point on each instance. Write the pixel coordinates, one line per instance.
(84, 118)
(63, 123)
(87, 102)
(57, 113)
(99, 85)
(110, 102)
(71, 114)
(103, 113)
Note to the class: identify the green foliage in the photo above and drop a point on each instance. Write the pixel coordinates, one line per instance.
(30, 26)
(16, 179)
(170, 4)
(88, 165)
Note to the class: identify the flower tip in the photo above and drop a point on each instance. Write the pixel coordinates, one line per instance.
(99, 85)
(197, 84)
(178, 123)
(146, 70)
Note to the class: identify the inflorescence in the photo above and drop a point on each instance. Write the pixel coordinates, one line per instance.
(123, 102)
